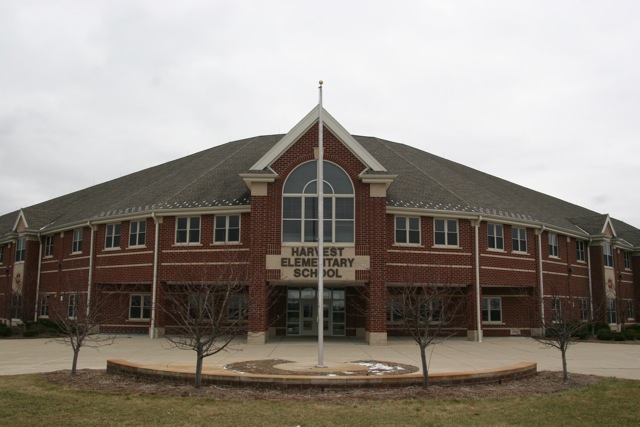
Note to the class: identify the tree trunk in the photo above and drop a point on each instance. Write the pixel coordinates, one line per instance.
(425, 369)
(565, 376)
(74, 364)
(198, 383)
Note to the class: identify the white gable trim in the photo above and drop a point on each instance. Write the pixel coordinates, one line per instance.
(304, 125)
(608, 222)
(24, 219)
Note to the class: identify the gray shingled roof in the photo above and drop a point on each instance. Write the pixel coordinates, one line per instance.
(210, 178)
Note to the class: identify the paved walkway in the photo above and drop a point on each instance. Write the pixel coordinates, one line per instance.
(455, 355)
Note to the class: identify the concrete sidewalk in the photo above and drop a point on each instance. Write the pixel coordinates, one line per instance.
(22, 356)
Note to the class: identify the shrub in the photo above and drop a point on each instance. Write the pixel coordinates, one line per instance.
(604, 335)
(5, 331)
(618, 336)
(597, 327)
(30, 333)
(635, 327)
(630, 335)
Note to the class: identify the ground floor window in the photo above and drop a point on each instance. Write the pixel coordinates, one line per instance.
(302, 306)
(44, 306)
(584, 309)
(237, 307)
(72, 308)
(556, 309)
(16, 303)
(612, 316)
(140, 307)
(492, 309)
(630, 311)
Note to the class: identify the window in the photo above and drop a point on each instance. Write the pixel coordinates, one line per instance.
(584, 309)
(112, 239)
(16, 305)
(495, 234)
(556, 309)
(630, 311)
(492, 309)
(612, 316)
(72, 308)
(300, 205)
(227, 229)
(519, 239)
(608, 255)
(77, 241)
(553, 244)
(446, 232)
(237, 308)
(48, 246)
(188, 230)
(21, 248)
(408, 230)
(44, 306)
(580, 250)
(627, 260)
(394, 310)
(140, 307)
(137, 233)
(1, 253)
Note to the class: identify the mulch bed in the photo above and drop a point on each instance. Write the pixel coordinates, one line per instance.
(544, 382)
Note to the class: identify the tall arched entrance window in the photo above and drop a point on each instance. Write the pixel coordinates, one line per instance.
(300, 205)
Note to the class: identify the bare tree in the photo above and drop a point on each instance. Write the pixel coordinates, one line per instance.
(205, 317)
(79, 315)
(566, 318)
(427, 313)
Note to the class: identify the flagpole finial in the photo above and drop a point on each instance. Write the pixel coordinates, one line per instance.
(321, 82)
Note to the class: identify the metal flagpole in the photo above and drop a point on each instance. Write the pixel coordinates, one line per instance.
(320, 188)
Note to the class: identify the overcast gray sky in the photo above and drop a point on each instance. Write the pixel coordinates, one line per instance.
(545, 94)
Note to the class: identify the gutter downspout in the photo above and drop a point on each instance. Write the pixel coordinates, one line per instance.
(590, 282)
(35, 315)
(152, 326)
(478, 302)
(90, 279)
(541, 280)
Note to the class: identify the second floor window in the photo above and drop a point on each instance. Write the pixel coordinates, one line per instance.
(227, 229)
(495, 235)
(138, 233)
(553, 244)
(446, 232)
(608, 255)
(21, 249)
(113, 236)
(48, 246)
(627, 260)
(76, 245)
(300, 205)
(519, 239)
(188, 229)
(408, 230)
(580, 250)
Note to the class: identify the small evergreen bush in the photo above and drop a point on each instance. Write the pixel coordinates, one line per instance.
(630, 335)
(604, 335)
(618, 336)
(30, 333)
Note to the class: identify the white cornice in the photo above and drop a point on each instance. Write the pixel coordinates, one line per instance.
(304, 125)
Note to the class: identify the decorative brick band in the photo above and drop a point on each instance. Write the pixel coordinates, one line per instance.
(507, 373)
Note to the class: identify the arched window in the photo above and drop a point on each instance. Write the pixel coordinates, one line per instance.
(300, 205)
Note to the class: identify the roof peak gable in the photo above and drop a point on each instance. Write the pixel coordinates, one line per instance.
(303, 126)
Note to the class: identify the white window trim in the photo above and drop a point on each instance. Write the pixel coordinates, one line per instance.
(80, 232)
(627, 256)
(137, 234)
(74, 298)
(446, 233)
(407, 230)
(584, 253)
(554, 243)
(526, 243)
(608, 255)
(48, 243)
(226, 230)
(495, 237)
(493, 322)
(188, 243)
(22, 250)
(140, 319)
(112, 236)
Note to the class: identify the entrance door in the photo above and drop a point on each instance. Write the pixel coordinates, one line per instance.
(308, 317)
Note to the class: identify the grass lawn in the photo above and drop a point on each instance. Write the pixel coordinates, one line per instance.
(27, 400)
